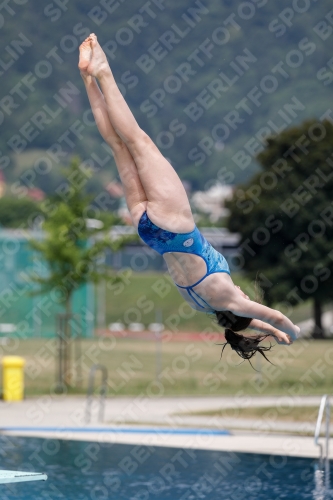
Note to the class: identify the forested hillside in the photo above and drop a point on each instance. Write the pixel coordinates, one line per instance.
(208, 80)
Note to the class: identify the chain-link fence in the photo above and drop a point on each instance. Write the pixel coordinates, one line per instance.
(23, 311)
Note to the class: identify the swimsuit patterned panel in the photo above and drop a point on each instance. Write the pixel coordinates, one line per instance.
(192, 243)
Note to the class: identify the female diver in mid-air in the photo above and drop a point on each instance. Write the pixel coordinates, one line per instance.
(161, 212)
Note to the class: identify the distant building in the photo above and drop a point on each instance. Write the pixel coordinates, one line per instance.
(36, 194)
(211, 202)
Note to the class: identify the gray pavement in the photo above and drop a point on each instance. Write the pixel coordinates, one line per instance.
(141, 420)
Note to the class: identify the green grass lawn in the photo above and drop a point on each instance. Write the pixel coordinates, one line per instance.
(154, 369)
(170, 367)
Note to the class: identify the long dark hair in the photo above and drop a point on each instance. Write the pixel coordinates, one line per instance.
(227, 319)
(246, 347)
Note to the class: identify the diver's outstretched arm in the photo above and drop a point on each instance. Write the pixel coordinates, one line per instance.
(249, 309)
(262, 327)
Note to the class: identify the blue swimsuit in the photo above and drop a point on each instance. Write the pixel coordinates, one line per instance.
(193, 243)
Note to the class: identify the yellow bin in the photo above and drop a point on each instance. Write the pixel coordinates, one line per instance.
(13, 378)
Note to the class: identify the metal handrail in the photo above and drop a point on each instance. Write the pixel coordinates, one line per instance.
(324, 404)
(90, 391)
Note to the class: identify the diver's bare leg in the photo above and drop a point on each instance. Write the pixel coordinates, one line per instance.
(135, 195)
(168, 205)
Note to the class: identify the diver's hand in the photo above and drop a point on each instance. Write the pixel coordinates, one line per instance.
(281, 337)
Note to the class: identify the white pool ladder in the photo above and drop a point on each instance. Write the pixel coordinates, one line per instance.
(322, 472)
(90, 392)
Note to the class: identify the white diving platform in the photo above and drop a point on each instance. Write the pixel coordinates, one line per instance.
(11, 476)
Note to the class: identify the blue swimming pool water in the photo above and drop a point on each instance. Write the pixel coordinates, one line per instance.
(92, 471)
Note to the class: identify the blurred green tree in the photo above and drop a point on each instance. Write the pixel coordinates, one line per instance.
(72, 245)
(285, 218)
(19, 212)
